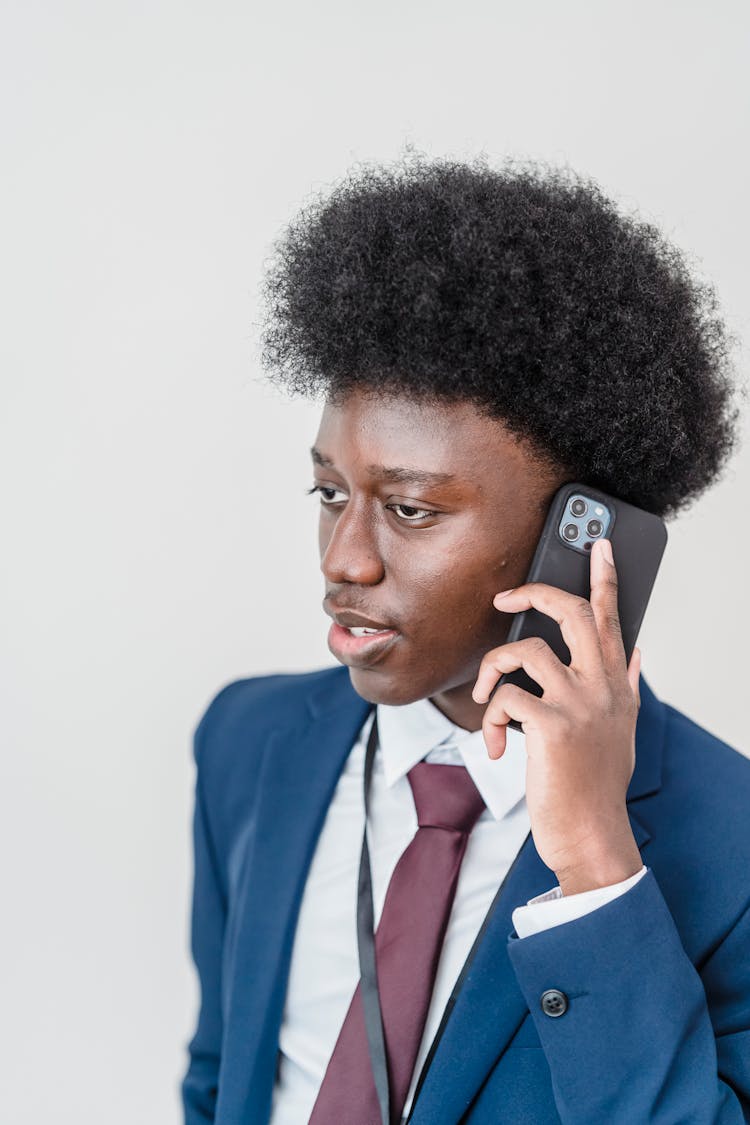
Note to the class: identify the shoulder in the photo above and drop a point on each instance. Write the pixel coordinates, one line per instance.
(256, 704)
(700, 846)
(234, 729)
(697, 762)
(239, 717)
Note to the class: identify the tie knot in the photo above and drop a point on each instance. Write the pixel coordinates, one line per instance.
(445, 796)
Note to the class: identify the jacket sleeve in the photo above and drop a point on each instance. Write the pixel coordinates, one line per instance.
(645, 1036)
(209, 909)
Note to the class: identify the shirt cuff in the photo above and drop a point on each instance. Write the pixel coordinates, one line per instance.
(552, 908)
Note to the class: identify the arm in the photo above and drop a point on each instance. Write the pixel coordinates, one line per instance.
(645, 1038)
(636, 1038)
(200, 1084)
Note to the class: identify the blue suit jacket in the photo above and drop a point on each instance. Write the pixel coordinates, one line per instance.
(658, 981)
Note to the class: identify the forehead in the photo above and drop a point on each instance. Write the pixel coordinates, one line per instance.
(364, 431)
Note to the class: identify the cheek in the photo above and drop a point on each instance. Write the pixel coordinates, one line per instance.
(457, 607)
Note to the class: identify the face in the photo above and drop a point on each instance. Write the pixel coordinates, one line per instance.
(427, 511)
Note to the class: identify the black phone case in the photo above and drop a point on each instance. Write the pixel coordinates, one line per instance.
(638, 540)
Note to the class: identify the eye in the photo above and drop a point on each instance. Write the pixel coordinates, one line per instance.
(409, 513)
(327, 493)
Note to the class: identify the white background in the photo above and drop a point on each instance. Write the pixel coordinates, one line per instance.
(157, 542)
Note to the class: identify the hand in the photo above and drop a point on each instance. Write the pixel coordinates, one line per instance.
(580, 737)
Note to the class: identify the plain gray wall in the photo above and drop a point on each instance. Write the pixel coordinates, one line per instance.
(157, 540)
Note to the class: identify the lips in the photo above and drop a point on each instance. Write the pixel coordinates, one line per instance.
(356, 640)
(348, 619)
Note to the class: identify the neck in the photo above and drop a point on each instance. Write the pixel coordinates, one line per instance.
(458, 706)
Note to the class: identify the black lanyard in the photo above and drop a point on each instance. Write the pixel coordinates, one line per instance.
(366, 946)
(367, 968)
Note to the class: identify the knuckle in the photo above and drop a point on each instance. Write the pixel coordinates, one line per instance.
(507, 693)
(489, 660)
(582, 608)
(537, 645)
(502, 692)
(612, 622)
(609, 705)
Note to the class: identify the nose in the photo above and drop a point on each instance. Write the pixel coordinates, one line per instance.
(348, 549)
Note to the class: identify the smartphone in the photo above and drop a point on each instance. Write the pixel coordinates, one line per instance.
(577, 517)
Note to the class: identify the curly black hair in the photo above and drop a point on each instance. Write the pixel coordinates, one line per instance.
(523, 290)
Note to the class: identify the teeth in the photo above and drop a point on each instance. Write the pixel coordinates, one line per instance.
(361, 631)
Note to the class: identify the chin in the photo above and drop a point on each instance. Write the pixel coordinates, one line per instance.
(377, 688)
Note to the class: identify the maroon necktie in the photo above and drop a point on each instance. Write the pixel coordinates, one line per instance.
(408, 942)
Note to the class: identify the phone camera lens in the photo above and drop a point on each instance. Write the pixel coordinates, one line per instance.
(594, 528)
(578, 507)
(570, 531)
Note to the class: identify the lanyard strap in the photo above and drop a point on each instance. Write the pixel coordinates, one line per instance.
(366, 946)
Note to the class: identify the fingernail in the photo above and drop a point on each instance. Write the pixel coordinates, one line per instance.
(503, 593)
(606, 550)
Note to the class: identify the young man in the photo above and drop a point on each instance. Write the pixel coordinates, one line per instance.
(561, 913)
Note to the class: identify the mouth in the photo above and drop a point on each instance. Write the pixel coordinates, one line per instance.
(359, 646)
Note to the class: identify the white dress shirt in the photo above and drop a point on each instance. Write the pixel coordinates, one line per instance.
(324, 968)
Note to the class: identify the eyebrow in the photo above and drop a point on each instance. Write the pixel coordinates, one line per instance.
(395, 474)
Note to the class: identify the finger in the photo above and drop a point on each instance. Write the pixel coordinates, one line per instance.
(533, 655)
(508, 702)
(603, 599)
(634, 675)
(574, 615)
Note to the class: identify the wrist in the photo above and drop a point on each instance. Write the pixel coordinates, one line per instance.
(600, 867)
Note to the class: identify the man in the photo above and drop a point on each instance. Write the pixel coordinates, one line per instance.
(560, 912)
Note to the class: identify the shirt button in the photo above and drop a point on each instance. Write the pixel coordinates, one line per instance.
(554, 1002)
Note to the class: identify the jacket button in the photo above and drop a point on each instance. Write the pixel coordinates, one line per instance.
(554, 1002)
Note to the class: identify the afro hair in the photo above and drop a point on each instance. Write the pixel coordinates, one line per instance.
(522, 290)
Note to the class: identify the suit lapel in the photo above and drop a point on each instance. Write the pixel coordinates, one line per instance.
(489, 1006)
(298, 774)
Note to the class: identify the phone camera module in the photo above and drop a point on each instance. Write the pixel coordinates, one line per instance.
(582, 520)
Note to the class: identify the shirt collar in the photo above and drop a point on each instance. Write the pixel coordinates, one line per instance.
(409, 732)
